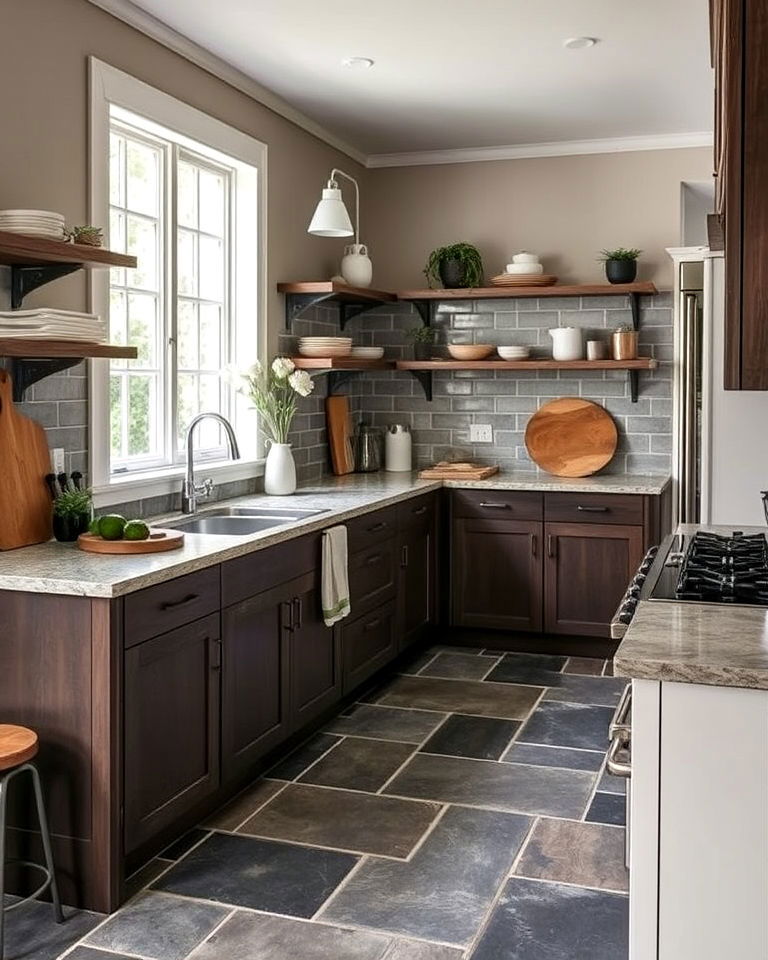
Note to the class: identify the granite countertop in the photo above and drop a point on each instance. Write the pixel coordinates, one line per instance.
(712, 644)
(61, 568)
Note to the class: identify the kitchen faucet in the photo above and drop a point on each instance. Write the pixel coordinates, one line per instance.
(190, 490)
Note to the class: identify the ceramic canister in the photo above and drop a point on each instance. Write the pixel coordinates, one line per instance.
(397, 448)
(567, 343)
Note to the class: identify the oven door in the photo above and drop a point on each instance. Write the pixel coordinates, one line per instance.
(619, 760)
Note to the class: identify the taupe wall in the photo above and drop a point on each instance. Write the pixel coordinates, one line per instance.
(44, 130)
(564, 208)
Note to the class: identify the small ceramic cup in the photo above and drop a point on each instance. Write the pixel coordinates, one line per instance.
(597, 350)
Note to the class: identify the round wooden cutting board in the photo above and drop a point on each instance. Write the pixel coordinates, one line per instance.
(159, 540)
(571, 437)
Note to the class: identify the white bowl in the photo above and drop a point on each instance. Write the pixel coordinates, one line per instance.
(525, 257)
(368, 353)
(529, 268)
(514, 353)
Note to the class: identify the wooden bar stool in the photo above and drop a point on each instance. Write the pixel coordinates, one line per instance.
(18, 746)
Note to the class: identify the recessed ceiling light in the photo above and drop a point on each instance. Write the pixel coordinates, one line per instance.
(579, 43)
(357, 63)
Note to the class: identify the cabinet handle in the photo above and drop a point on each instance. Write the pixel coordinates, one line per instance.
(298, 605)
(376, 527)
(372, 624)
(215, 653)
(583, 509)
(171, 604)
(287, 606)
(550, 545)
(495, 506)
(374, 558)
(534, 544)
(404, 556)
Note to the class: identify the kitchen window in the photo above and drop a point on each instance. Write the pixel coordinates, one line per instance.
(192, 211)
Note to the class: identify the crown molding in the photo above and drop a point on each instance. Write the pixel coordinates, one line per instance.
(522, 151)
(152, 27)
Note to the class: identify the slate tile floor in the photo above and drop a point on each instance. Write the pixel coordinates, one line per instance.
(459, 811)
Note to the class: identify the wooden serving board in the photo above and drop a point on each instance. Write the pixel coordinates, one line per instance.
(571, 437)
(160, 540)
(25, 501)
(457, 471)
(339, 423)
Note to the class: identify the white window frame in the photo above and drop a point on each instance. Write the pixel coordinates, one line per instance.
(109, 86)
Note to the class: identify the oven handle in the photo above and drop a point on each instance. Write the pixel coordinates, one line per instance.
(615, 766)
(620, 734)
(619, 720)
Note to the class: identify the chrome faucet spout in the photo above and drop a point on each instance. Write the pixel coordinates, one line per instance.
(192, 491)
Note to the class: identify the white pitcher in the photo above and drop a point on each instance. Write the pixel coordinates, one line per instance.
(567, 343)
(356, 266)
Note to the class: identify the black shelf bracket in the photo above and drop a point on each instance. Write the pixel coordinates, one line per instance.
(25, 279)
(425, 379)
(337, 379)
(634, 381)
(426, 310)
(25, 371)
(297, 303)
(634, 306)
(349, 310)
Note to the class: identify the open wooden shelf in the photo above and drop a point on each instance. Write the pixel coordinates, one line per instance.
(341, 363)
(351, 300)
(16, 249)
(641, 363)
(16, 347)
(511, 293)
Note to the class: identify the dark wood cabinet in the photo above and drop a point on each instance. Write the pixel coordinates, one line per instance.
(171, 727)
(496, 574)
(314, 661)
(417, 570)
(368, 643)
(586, 571)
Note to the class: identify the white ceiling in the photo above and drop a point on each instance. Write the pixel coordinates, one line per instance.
(467, 73)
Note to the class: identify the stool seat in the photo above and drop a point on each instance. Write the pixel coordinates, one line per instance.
(17, 745)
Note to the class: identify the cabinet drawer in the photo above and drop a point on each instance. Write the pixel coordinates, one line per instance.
(594, 507)
(497, 504)
(367, 644)
(417, 513)
(372, 575)
(156, 610)
(264, 569)
(363, 532)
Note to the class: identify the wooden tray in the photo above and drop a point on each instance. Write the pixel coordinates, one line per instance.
(571, 437)
(457, 471)
(159, 541)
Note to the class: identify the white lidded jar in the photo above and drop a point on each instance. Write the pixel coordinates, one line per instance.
(356, 266)
(397, 448)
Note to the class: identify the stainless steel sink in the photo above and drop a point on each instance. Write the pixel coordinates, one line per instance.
(242, 521)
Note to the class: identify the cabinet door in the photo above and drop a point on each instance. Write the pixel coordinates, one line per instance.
(171, 727)
(497, 574)
(315, 667)
(255, 702)
(588, 567)
(368, 643)
(416, 586)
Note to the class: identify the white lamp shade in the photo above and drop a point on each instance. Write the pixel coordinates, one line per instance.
(331, 218)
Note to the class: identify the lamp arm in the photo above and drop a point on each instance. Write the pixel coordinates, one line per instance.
(357, 199)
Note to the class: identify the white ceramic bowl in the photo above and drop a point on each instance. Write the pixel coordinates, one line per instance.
(368, 353)
(524, 268)
(525, 257)
(514, 353)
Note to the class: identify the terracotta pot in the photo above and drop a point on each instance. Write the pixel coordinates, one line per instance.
(624, 344)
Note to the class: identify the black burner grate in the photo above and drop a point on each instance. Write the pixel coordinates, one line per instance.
(725, 569)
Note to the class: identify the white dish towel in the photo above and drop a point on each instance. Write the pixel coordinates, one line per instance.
(335, 576)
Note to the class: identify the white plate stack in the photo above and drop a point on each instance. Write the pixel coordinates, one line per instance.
(320, 347)
(48, 324)
(33, 223)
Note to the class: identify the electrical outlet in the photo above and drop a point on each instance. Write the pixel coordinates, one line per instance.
(481, 433)
(57, 455)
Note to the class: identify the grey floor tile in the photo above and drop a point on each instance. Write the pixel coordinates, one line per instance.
(259, 874)
(549, 921)
(244, 805)
(587, 666)
(359, 764)
(445, 890)
(91, 953)
(421, 950)
(568, 725)
(484, 738)
(387, 723)
(565, 757)
(31, 933)
(145, 875)
(540, 661)
(304, 756)
(608, 808)
(477, 697)
(579, 689)
(184, 844)
(535, 790)
(458, 666)
(585, 854)
(154, 925)
(610, 784)
(346, 820)
(530, 668)
(418, 663)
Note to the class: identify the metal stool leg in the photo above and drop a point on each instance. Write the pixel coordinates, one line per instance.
(3, 795)
(46, 844)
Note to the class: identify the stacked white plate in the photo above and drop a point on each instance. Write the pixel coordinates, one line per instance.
(33, 223)
(325, 346)
(368, 353)
(49, 324)
(514, 353)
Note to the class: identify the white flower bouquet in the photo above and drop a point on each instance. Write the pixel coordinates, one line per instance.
(274, 393)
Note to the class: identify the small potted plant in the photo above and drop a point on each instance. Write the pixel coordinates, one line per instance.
(72, 514)
(624, 341)
(620, 264)
(455, 266)
(424, 339)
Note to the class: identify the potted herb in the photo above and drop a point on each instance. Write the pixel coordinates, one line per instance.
(72, 513)
(424, 339)
(624, 342)
(620, 264)
(458, 265)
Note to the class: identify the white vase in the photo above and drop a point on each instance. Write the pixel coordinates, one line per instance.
(280, 470)
(356, 266)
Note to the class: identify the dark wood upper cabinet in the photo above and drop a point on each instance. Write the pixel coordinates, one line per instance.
(739, 40)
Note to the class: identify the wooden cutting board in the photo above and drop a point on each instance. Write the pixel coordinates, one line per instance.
(25, 501)
(571, 437)
(159, 540)
(457, 471)
(339, 423)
